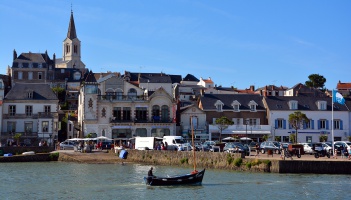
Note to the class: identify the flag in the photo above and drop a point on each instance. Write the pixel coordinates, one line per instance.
(338, 98)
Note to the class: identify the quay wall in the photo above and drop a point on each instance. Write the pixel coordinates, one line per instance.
(215, 160)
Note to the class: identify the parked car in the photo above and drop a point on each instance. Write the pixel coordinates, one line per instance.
(67, 145)
(341, 146)
(307, 148)
(327, 147)
(231, 147)
(252, 145)
(270, 145)
(207, 145)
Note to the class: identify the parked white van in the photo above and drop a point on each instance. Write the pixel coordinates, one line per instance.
(173, 142)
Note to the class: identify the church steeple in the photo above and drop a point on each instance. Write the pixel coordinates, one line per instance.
(71, 34)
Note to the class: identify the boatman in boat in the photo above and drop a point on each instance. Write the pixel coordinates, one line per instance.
(150, 174)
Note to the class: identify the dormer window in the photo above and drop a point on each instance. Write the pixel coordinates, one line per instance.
(322, 105)
(219, 106)
(30, 95)
(293, 105)
(40, 65)
(30, 65)
(252, 104)
(20, 65)
(236, 106)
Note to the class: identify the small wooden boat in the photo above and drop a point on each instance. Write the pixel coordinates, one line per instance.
(194, 178)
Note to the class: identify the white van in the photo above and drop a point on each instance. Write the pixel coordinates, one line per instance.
(173, 142)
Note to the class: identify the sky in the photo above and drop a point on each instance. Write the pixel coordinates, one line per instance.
(234, 42)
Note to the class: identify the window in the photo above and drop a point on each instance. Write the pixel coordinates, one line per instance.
(309, 139)
(140, 113)
(47, 109)
(337, 124)
(156, 113)
(28, 127)
(252, 104)
(29, 111)
(132, 93)
(20, 75)
(308, 124)
(30, 95)
(75, 48)
(126, 113)
(67, 48)
(280, 124)
(236, 106)
(286, 139)
(253, 122)
(11, 127)
(12, 110)
(322, 105)
(40, 75)
(165, 113)
(119, 95)
(76, 76)
(293, 105)
(45, 126)
(323, 124)
(117, 113)
(219, 105)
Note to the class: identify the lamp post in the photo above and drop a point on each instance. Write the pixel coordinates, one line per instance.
(246, 130)
(50, 135)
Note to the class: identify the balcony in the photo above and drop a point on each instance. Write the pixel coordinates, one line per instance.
(114, 120)
(122, 98)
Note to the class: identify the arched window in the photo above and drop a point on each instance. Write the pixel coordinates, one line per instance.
(156, 113)
(165, 113)
(132, 94)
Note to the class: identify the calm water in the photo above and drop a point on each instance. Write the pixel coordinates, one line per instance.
(60, 180)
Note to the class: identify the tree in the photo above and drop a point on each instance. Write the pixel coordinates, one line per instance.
(315, 81)
(222, 124)
(296, 119)
(17, 137)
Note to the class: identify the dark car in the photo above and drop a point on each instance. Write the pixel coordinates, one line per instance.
(270, 145)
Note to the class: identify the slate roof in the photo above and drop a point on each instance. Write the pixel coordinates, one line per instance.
(34, 58)
(301, 89)
(40, 92)
(304, 103)
(190, 77)
(68, 74)
(153, 77)
(208, 101)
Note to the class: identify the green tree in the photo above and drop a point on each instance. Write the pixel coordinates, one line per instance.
(222, 124)
(323, 138)
(296, 120)
(315, 81)
(17, 137)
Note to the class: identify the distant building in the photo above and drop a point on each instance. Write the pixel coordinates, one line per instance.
(344, 88)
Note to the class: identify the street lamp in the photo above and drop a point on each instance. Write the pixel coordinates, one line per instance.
(50, 135)
(247, 121)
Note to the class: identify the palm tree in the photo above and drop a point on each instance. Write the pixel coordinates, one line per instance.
(222, 124)
(296, 119)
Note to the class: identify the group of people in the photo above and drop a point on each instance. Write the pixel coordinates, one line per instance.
(161, 146)
(344, 151)
(43, 143)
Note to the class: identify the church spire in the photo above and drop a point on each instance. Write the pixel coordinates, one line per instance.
(71, 34)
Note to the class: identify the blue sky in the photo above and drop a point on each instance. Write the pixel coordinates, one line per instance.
(236, 43)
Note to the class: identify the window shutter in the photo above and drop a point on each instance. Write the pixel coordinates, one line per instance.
(327, 124)
(304, 125)
(284, 124)
(290, 127)
(319, 124)
(276, 123)
(312, 124)
(341, 125)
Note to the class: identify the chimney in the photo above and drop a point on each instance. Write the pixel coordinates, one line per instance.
(252, 87)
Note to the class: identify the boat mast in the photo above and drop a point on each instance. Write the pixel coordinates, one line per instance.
(193, 144)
